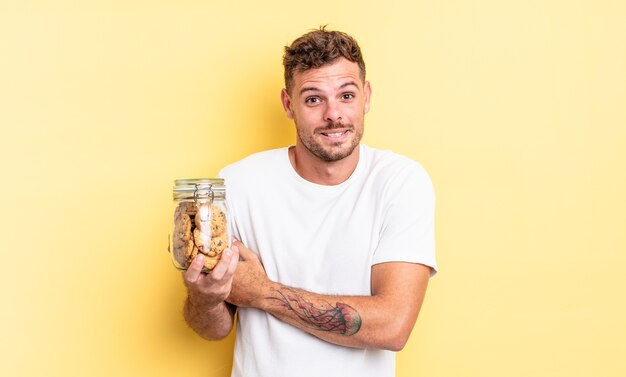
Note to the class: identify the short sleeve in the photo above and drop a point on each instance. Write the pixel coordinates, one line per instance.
(408, 230)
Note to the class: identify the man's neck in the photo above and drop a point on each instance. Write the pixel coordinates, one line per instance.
(313, 169)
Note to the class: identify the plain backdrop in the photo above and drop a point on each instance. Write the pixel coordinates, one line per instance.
(515, 108)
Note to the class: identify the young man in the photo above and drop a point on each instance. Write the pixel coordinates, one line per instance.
(337, 239)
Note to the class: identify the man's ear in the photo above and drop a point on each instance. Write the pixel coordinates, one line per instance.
(286, 101)
(367, 88)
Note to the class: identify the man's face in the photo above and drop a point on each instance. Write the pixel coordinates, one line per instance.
(328, 105)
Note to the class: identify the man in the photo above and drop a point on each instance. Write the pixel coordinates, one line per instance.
(337, 239)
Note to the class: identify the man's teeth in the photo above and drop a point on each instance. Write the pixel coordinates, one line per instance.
(335, 134)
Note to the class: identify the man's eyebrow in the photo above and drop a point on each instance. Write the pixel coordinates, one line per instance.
(348, 84)
(308, 89)
(315, 89)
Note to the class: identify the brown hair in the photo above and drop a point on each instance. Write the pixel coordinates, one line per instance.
(317, 48)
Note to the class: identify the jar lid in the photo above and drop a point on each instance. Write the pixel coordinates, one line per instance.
(201, 188)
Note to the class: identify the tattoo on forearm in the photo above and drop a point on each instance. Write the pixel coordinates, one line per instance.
(341, 318)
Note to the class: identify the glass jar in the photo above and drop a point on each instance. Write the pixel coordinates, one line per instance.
(200, 222)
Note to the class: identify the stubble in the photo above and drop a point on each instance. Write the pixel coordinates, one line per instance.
(333, 151)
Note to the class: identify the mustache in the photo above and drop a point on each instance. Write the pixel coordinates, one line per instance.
(331, 125)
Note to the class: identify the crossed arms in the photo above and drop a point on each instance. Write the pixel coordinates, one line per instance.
(383, 320)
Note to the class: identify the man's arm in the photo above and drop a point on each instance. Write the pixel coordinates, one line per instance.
(205, 310)
(383, 320)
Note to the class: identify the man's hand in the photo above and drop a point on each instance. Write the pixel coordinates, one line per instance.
(250, 278)
(205, 310)
(208, 290)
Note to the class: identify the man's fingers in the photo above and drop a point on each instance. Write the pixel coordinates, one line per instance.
(244, 252)
(234, 260)
(223, 265)
(195, 269)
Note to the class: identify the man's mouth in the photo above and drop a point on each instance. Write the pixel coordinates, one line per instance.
(335, 134)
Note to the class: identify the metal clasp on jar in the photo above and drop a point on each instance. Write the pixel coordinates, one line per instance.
(203, 192)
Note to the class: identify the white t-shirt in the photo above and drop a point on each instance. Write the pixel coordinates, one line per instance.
(324, 239)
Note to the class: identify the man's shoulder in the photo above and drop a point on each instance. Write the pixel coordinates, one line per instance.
(389, 163)
(398, 176)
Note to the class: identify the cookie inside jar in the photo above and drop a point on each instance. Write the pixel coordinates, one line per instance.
(200, 223)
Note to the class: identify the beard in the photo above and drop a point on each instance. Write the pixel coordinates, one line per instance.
(333, 151)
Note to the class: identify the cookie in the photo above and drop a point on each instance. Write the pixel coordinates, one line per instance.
(182, 237)
(194, 252)
(211, 262)
(188, 208)
(190, 247)
(218, 222)
(202, 240)
(218, 244)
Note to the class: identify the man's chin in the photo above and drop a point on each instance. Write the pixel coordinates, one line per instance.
(335, 152)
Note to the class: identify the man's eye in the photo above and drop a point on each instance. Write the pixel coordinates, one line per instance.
(348, 96)
(312, 100)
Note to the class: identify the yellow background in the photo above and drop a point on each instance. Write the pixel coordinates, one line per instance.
(516, 108)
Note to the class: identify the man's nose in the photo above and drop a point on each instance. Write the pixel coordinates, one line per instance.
(332, 111)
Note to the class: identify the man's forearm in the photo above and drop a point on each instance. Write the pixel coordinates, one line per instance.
(383, 320)
(352, 321)
(210, 322)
